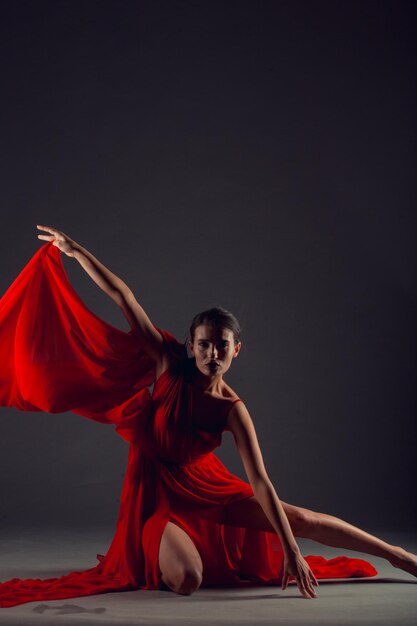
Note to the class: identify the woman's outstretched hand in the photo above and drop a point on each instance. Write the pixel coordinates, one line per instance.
(297, 567)
(59, 239)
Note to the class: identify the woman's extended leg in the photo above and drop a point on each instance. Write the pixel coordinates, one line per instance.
(326, 529)
(179, 561)
(333, 531)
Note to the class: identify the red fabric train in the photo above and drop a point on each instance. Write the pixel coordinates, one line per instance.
(57, 356)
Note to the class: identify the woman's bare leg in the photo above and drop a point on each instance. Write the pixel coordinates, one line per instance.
(326, 529)
(179, 561)
(333, 531)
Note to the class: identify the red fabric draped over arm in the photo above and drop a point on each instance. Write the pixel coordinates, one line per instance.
(56, 355)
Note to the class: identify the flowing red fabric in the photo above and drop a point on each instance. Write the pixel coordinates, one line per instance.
(57, 356)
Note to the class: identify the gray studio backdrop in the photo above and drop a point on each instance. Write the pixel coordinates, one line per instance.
(256, 155)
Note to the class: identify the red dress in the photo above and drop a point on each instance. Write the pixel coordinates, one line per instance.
(57, 356)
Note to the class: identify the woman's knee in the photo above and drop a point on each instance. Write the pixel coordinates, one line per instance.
(301, 520)
(179, 560)
(186, 579)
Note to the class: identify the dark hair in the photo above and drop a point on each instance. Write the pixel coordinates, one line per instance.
(218, 317)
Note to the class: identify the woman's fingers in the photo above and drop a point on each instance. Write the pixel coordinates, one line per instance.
(306, 590)
(303, 576)
(47, 228)
(313, 579)
(309, 581)
(56, 234)
(307, 586)
(311, 589)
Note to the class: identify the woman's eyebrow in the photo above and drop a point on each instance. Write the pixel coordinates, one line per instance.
(223, 340)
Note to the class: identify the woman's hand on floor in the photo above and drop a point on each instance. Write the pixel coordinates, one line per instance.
(297, 567)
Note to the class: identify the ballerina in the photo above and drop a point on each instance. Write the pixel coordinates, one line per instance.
(169, 554)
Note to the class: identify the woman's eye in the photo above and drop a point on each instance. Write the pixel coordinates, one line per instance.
(204, 344)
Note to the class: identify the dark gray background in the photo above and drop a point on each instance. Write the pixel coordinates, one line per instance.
(257, 155)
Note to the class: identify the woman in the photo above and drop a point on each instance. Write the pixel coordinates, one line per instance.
(179, 503)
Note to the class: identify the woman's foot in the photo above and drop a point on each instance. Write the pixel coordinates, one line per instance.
(405, 560)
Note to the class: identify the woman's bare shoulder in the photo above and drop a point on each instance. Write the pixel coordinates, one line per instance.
(237, 415)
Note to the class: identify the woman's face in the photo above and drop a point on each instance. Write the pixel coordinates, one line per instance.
(214, 349)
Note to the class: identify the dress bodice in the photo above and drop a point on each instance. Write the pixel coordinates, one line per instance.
(176, 434)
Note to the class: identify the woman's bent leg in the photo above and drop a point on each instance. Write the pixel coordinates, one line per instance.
(179, 561)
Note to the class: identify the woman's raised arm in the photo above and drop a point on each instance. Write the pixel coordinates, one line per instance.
(114, 287)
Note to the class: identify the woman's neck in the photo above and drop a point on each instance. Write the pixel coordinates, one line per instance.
(211, 385)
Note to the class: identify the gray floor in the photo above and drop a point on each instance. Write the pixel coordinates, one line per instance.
(390, 598)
